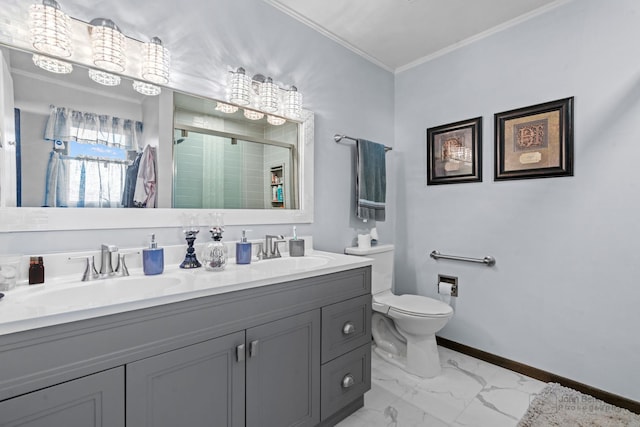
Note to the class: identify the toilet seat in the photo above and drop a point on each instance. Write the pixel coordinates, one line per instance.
(410, 305)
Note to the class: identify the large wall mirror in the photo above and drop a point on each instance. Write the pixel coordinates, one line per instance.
(206, 158)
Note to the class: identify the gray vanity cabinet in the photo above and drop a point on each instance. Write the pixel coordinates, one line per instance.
(196, 386)
(295, 353)
(283, 372)
(94, 400)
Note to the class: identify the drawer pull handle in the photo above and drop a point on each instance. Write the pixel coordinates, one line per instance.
(348, 381)
(253, 348)
(240, 353)
(348, 328)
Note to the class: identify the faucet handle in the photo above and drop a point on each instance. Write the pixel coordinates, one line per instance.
(121, 267)
(261, 253)
(109, 248)
(90, 272)
(277, 248)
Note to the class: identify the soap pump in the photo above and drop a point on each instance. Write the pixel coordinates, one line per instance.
(243, 250)
(215, 254)
(153, 258)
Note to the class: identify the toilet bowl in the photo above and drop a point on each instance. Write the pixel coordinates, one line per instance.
(403, 326)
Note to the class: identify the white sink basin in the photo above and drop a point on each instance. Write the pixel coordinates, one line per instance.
(101, 292)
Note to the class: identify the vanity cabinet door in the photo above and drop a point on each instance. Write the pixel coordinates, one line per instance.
(283, 372)
(196, 386)
(94, 400)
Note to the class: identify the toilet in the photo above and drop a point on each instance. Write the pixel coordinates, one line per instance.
(403, 326)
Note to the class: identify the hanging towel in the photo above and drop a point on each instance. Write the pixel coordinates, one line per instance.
(146, 191)
(56, 186)
(371, 180)
(130, 182)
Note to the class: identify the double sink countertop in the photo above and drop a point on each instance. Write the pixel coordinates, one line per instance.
(67, 299)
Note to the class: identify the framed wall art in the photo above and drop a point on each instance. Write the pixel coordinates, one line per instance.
(535, 142)
(454, 152)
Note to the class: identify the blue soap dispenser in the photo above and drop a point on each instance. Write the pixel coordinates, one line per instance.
(153, 258)
(243, 250)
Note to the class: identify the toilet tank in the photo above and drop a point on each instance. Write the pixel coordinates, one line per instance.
(382, 267)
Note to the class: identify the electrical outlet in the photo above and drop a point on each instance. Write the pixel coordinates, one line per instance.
(450, 279)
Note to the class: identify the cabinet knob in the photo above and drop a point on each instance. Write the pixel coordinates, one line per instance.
(348, 328)
(348, 381)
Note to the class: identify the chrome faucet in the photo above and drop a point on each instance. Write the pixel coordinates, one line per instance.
(271, 249)
(106, 266)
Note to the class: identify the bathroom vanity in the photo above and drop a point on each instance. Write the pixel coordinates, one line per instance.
(244, 347)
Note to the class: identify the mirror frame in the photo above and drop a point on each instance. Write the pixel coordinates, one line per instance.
(51, 219)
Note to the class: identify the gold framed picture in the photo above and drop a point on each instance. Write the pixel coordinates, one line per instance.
(535, 141)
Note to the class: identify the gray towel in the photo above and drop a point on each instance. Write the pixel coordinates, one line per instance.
(371, 180)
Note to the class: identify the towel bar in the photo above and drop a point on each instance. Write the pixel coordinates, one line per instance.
(488, 260)
(337, 138)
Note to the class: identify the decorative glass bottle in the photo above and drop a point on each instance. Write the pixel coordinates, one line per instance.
(215, 254)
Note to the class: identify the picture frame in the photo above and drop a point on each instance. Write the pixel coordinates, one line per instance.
(535, 141)
(454, 152)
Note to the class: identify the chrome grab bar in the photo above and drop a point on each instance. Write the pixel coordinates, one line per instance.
(488, 260)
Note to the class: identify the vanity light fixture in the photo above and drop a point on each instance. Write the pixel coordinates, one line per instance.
(104, 78)
(240, 86)
(268, 92)
(263, 94)
(52, 65)
(146, 88)
(253, 115)
(226, 108)
(275, 120)
(49, 28)
(293, 103)
(155, 62)
(107, 45)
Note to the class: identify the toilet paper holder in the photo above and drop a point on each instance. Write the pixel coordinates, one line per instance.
(488, 260)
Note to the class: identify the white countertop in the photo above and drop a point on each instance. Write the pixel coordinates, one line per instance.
(66, 299)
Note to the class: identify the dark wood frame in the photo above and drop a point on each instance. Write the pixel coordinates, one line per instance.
(563, 139)
(475, 127)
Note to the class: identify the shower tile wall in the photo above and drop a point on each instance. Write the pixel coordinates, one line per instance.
(189, 160)
(243, 168)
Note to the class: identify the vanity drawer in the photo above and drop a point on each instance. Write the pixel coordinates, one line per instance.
(345, 379)
(345, 326)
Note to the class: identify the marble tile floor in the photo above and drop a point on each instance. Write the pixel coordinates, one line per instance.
(469, 392)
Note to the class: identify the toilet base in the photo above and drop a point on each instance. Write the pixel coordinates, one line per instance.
(422, 358)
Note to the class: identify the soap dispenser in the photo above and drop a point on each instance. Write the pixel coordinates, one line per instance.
(215, 254)
(153, 258)
(243, 250)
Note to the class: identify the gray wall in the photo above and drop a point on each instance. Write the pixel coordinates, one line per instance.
(209, 37)
(563, 295)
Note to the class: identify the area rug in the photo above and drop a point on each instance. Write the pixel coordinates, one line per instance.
(556, 405)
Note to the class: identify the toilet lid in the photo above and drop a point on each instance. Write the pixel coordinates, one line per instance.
(417, 305)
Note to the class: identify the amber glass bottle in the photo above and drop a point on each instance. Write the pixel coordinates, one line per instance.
(36, 270)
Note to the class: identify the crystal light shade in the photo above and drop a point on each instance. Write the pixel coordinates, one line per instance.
(275, 120)
(49, 28)
(293, 103)
(146, 88)
(107, 44)
(103, 78)
(52, 65)
(253, 115)
(268, 92)
(226, 108)
(240, 88)
(155, 62)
